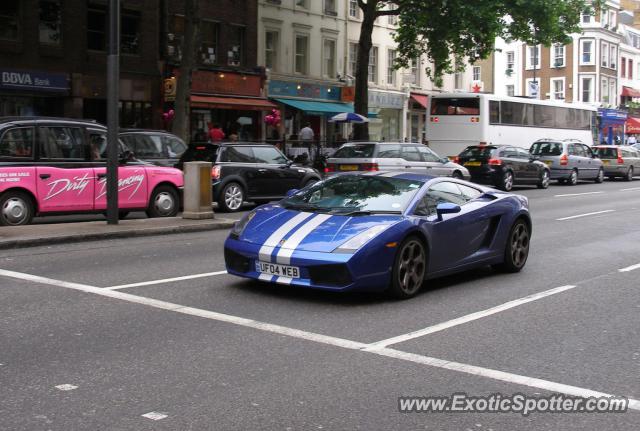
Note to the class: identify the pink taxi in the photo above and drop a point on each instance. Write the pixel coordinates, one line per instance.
(58, 166)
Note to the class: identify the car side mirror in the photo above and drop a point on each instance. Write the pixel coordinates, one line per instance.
(447, 208)
(292, 192)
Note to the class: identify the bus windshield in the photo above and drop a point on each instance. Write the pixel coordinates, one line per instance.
(455, 106)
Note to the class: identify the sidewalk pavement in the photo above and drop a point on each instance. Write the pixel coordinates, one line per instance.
(56, 233)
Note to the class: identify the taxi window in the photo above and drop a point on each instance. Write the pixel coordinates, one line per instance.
(17, 142)
(61, 143)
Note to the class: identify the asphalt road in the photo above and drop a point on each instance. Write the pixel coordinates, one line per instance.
(208, 351)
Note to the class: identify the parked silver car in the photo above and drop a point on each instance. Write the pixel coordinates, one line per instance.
(619, 161)
(569, 160)
(393, 156)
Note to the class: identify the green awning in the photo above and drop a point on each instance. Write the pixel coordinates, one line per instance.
(318, 108)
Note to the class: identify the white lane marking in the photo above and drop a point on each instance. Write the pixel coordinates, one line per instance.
(584, 215)
(286, 251)
(469, 317)
(631, 189)
(155, 416)
(577, 194)
(66, 387)
(630, 268)
(273, 240)
(166, 280)
(323, 339)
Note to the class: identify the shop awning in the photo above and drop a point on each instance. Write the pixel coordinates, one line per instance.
(316, 107)
(630, 92)
(633, 125)
(420, 99)
(244, 104)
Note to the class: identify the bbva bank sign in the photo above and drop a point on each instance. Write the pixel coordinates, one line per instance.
(28, 80)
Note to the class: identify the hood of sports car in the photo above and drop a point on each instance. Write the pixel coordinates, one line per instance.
(308, 231)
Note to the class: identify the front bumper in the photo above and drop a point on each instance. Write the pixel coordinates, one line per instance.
(318, 270)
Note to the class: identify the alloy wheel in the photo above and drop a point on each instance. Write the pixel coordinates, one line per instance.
(507, 181)
(233, 197)
(411, 267)
(519, 245)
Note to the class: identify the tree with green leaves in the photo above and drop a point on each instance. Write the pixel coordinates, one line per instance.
(446, 30)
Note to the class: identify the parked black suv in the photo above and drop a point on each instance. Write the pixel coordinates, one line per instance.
(154, 146)
(253, 172)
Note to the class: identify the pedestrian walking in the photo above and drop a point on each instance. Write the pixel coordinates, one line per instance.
(306, 136)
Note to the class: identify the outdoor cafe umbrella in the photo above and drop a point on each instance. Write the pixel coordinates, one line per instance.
(349, 117)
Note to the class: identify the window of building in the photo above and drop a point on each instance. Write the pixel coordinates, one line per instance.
(613, 61)
(235, 56)
(130, 32)
(330, 7)
(630, 74)
(50, 25)
(373, 64)
(604, 90)
(604, 18)
(414, 75)
(476, 73)
(302, 52)
(329, 57)
(604, 54)
(511, 56)
(9, 20)
(557, 88)
(533, 57)
(302, 3)
(354, 9)
(391, 72)
(613, 94)
(586, 89)
(96, 27)
(612, 19)
(586, 17)
(510, 90)
(558, 55)
(209, 48)
(586, 50)
(623, 67)
(392, 19)
(271, 39)
(353, 58)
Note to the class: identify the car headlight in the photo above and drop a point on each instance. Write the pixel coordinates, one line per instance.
(240, 225)
(352, 245)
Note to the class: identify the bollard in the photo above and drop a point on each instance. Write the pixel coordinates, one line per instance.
(197, 191)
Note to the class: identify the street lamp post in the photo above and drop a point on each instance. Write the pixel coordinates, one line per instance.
(113, 93)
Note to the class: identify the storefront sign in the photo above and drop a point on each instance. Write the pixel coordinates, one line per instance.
(385, 100)
(33, 81)
(612, 115)
(308, 91)
(237, 84)
(170, 89)
(348, 94)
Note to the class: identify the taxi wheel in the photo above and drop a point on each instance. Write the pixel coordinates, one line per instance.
(164, 202)
(629, 176)
(409, 269)
(517, 250)
(16, 209)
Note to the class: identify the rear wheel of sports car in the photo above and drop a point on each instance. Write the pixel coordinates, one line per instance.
(409, 269)
(232, 197)
(544, 180)
(164, 202)
(517, 249)
(507, 181)
(16, 208)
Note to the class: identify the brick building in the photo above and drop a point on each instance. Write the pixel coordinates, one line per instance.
(53, 60)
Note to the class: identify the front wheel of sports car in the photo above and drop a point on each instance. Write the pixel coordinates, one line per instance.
(517, 249)
(409, 269)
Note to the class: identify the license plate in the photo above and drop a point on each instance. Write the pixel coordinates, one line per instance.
(348, 167)
(548, 162)
(277, 269)
(605, 162)
(472, 164)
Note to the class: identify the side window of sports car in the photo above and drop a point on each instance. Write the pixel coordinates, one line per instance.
(442, 192)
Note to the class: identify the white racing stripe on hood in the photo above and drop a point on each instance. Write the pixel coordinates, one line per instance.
(269, 245)
(284, 254)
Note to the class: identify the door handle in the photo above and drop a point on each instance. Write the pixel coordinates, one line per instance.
(100, 176)
(407, 167)
(45, 176)
(262, 170)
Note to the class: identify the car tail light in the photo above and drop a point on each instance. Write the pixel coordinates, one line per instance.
(201, 148)
(564, 160)
(435, 119)
(329, 168)
(495, 162)
(456, 159)
(620, 159)
(215, 172)
(369, 167)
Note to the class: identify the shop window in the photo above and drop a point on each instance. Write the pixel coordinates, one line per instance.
(209, 46)
(61, 143)
(9, 20)
(130, 32)
(50, 26)
(236, 48)
(17, 142)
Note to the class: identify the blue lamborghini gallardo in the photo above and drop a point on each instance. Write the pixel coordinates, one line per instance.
(378, 231)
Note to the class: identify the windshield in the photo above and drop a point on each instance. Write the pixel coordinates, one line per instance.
(347, 194)
(606, 153)
(356, 151)
(546, 149)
